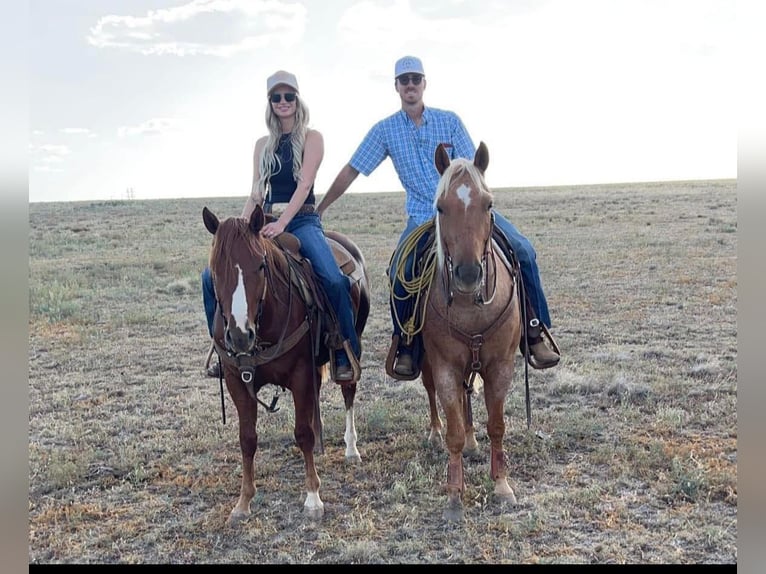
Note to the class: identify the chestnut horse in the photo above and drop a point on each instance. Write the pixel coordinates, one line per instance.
(473, 321)
(264, 334)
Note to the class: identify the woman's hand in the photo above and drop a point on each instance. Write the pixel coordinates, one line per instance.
(271, 230)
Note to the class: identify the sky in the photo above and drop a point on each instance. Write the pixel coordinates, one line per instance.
(151, 99)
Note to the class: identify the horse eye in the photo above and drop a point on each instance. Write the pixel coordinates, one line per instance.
(439, 209)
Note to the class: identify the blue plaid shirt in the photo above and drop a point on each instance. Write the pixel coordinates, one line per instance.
(412, 148)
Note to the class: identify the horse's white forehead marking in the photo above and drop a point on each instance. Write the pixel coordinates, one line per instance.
(464, 193)
(239, 301)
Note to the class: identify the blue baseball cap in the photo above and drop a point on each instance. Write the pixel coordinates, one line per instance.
(408, 65)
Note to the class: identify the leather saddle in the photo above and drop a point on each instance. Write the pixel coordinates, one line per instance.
(312, 293)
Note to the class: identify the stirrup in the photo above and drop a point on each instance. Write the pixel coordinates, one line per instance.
(356, 368)
(525, 347)
(209, 355)
(551, 340)
(391, 359)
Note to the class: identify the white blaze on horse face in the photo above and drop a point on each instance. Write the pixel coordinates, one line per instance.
(239, 302)
(464, 193)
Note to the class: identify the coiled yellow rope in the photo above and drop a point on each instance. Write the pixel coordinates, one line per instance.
(418, 285)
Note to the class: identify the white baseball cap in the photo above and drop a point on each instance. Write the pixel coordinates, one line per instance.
(281, 77)
(408, 65)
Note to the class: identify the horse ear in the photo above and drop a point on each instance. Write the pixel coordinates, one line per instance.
(441, 159)
(257, 219)
(481, 159)
(211, 221)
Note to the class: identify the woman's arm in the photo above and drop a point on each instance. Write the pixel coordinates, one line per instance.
(256, 196)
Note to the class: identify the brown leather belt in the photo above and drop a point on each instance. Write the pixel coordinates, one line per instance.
(304, 209)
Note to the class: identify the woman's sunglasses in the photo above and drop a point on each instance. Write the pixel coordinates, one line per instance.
(276, 98)
(414, 78)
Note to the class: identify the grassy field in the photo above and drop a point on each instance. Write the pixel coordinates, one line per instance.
(631, 456)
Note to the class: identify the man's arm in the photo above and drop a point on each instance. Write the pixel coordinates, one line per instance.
(343, 180)
(462, 145)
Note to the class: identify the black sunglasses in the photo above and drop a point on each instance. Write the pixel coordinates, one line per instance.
(414, 78)
(276, 98)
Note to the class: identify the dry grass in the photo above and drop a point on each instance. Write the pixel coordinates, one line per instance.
(631, 458)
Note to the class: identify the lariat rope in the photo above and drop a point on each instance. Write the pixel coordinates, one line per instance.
(418, 285)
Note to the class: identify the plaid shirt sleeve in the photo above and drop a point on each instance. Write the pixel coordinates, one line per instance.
(462, 145)
(371, 152)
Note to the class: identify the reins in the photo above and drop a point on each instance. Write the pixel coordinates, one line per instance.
(247, 362)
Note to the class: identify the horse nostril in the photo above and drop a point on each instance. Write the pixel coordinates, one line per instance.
(251, 335)
(468, 274)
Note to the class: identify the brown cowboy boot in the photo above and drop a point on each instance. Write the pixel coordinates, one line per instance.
(540, 356)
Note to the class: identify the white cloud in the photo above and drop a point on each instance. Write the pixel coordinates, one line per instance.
(47, 169)
(220, 28)
(154, 126)
(78, 131)
(52, 149)
(46, 157)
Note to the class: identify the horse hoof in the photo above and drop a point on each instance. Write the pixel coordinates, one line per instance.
(506, 499)
(314, 513)
(236, 518)
(435, 440)
(453, 513)
(473, 454)
(353, 458)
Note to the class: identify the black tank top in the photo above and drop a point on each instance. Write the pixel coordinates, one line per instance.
(283, 183)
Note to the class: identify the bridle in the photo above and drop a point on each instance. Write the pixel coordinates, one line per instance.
(262, 351)
(482, 295)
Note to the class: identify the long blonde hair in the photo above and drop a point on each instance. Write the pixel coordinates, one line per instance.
(269, 162)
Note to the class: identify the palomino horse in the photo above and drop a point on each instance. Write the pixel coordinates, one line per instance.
(264, 335)
(473, 321)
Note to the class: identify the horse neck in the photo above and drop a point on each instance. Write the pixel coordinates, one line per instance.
(279, 276)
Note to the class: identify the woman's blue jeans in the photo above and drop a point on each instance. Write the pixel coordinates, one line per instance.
(308, 229)
(523, 249)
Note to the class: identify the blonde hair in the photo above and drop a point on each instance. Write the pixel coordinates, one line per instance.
(269, 162)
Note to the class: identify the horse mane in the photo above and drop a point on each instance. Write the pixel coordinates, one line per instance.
(235, 230)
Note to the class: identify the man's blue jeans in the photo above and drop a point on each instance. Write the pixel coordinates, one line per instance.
(308, 229)
(520, 245)
(527, 257)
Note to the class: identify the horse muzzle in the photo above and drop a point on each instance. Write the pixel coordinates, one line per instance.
(240, 342)
(467, 278)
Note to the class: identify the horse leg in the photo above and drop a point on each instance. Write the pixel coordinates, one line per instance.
(352, 454)
(304, 401)
(495, 399)
(247, 410)
(316, 415)
(455, 443)
(435, 424)
(471, 447)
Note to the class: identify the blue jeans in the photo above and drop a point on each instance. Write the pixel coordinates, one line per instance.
(520, 245)
(527, 257)
(308, 229)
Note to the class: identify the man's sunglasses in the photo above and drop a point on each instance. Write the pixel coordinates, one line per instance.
(276, 98)
(414, 78)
